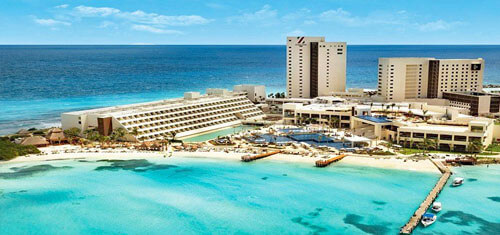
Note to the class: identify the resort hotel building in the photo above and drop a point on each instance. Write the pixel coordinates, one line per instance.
(401, 79)
(314, 67)
(404, 123)
(181, 117)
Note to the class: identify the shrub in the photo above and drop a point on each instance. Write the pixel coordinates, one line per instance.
(9, 150)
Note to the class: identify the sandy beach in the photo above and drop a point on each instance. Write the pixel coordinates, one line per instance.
(57, 153)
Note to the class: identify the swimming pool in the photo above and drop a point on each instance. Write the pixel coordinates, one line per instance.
(319, 138)
(215, 134)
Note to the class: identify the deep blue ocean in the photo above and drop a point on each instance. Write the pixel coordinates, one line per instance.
(37, 83)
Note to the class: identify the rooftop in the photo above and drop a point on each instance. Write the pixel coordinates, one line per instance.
(154, 105)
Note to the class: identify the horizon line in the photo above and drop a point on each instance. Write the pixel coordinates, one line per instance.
(152, 44)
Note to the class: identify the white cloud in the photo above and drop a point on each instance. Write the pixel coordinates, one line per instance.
(86, 11)
(265, 15)
(62, 6)
(51, 22)
(215, 5)
(106, 24)
(309, 22)
(298, 15)
(437, 25)
(152, 29)
(140, 17)
(157, 19)
(342, 16)
(296, 32)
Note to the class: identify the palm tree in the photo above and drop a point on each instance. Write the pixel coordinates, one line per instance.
(392, 106)
(334, 122)
(135, 131)
(427, 143)
(73, 134)
(425, 114)
(475, 147)
(118, 134)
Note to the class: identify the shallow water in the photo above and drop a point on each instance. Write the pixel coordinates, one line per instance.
(215, 134)
(472, 208)
(193, 196)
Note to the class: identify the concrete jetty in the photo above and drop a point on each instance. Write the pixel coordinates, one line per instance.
(417, 216)
(249, 158)
(323, 163)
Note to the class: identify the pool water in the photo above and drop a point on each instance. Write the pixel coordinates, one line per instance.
(212, 135)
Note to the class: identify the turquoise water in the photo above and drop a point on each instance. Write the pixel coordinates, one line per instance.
(205, 196)
(215, 134)
(474, 207)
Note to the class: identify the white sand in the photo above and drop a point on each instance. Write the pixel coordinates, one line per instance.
(380, 162)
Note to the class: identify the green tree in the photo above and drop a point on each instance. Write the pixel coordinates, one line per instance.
(334, 122)
(118, 134)
(475, 147)
(73, 132)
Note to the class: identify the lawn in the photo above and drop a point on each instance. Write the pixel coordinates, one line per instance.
(495, 147)
(409, 151)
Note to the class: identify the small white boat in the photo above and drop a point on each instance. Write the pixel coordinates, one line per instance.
(436, 206)
(457, 182)
(428, 219)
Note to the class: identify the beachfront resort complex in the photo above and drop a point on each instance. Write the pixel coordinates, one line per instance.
(417, 100)
(426, 114)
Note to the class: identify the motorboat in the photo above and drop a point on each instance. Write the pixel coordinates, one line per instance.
(436, 206)
(428, 219)
(457, 182)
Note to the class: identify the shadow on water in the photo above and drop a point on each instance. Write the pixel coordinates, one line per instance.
(355, 220)
(21, 172)
(137, 165)
(463, 219)
(379, 202)
(472, 180)
(315, 229)
(495, 199)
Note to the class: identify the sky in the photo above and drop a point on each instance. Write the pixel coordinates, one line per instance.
(253, 22)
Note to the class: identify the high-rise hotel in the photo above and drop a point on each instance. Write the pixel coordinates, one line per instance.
(314, 67)
(411, 78)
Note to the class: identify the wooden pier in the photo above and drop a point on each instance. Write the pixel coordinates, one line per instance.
(417, 216)
(323, 163)
(249, 158)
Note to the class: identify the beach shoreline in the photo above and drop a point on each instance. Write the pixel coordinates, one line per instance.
(352, 159)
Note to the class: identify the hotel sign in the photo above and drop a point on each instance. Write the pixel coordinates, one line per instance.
(300, 41)
(475, 67)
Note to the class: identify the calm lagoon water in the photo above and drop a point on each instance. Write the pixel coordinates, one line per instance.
(206, 196)
(215, 134)
(37, 83)
(474, 207)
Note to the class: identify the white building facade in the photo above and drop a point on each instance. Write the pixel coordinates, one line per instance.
(315, 67)
(182, 117)
(401, 79)
(255, 93)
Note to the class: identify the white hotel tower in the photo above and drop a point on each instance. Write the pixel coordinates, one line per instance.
(314, 67)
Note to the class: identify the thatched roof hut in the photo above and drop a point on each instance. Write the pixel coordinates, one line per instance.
(38, 141)
(23, 132)
(56, 135)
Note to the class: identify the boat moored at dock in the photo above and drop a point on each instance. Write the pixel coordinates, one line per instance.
(428, 219)
(436, 207)
(457, 181)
